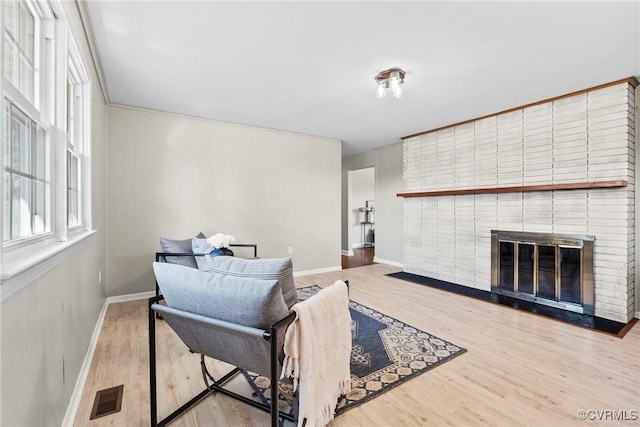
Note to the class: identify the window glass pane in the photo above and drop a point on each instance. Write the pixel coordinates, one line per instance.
(27, 48)
(10, 60)
(41, 161)
(73, 208)
(6, 212)
(70, 113)
(5, 135)
(19, 60)
(11, 17)
(27, 33)
(39, 209)
(26, 78)
(47, 207)
(20, 142)
(20, 207)
(73, 193)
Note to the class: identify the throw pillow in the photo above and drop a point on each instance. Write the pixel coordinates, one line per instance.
(242, 300)
(200, 245)
(179, 247)
(267, 269)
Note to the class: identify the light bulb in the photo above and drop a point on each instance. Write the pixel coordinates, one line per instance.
(394, 84)
(397, 91)
(382, 92)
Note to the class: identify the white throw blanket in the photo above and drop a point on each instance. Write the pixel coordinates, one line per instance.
(317, 348)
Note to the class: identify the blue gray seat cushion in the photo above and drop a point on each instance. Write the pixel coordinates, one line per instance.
(179, 247)
(246, 301)
(280, 269)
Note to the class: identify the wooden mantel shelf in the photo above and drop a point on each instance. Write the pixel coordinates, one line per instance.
(517, 189)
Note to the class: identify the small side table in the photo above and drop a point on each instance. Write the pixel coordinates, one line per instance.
(363, 228)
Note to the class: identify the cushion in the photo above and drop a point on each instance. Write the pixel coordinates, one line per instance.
(181, 247)
(247, 301)
(200, 245)
(267, 268)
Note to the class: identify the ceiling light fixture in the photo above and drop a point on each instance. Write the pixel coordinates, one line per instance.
(390, 81)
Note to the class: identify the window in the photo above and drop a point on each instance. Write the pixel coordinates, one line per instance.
(26, 176)
(45, 143)
(26, 154)
(76, 83)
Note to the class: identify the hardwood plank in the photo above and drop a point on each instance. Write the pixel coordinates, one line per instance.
(519, 369)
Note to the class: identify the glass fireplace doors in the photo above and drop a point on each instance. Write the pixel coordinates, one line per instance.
(547, 268)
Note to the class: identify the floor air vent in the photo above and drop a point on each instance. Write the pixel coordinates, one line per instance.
(107, 402)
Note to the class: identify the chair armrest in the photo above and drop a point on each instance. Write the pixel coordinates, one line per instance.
(247, 245)
(161, 256)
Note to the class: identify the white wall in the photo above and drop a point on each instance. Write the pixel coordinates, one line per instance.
(389, 207)
(174, 176)
(47, 325)
(586, 137)
(362, 187)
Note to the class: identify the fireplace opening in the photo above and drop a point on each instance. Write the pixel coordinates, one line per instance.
(547, 268)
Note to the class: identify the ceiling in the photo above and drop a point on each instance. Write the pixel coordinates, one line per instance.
(309, 67)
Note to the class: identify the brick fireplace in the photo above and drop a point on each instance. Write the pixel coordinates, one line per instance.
(561, 166)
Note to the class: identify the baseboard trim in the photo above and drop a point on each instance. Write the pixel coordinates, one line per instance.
(347, 253)
(637, 316)
(130, 297)
(76, 396)
(316, 271)
(386, 261)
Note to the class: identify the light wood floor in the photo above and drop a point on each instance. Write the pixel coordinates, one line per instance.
(520, 369)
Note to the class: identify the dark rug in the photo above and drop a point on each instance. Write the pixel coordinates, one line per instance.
(592, 322)
(385, 353)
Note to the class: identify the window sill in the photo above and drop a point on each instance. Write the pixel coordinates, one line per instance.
(24, 265)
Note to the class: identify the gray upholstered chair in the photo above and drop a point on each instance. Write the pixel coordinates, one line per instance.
(238, 320)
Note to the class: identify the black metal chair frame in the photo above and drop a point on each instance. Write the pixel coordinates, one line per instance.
(275, 336)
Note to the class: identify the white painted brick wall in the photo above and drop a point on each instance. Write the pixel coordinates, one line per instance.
(412, 168)
(586, 137)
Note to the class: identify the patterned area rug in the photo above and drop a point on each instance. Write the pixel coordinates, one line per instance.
(385, 353)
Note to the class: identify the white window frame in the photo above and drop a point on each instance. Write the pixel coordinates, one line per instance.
(24, 260)
(37, 110)
(78, 137)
